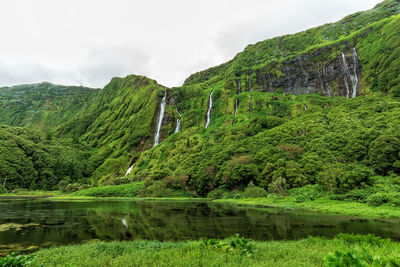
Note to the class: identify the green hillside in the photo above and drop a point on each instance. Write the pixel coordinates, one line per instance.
(319, 109)
(42, 106)
(31, 160)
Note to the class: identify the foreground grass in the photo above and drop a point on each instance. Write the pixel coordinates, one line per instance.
(320, 205)
(306, 252)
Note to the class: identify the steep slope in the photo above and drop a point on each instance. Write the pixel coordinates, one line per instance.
(277, 116)
(121, 121)
(29, 159)
(353, 57)
(42, 106)
(340, 148)
(313, 60)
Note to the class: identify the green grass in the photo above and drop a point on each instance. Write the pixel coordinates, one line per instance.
(320, 205)
(125, 190)
(306, 252)
(37, 193)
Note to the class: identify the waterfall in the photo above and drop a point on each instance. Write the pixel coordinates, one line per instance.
(210, 104)
(129, 170)
(347, 72)
(329, 89)
(236, 106)
(264, 82)
(239, 87)
(250, 82)
(125, 223)
(353, 77)
(160, 118)
(251, 104)
(305, 107)
(178, 122)
(178, 126)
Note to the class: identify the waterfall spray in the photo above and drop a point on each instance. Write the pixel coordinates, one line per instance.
(236, 106)
(178, 126)
(353, 77)
(210, 104)
(160, 118)
(129, 170)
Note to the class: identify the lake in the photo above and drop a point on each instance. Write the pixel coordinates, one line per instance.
(29, 224)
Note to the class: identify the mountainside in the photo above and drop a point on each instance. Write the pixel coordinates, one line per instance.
(334, 59)
(43, 105)
(29, 159)
(319, 108)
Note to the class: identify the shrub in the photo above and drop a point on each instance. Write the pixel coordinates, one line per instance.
(305, 193)
(253, 191)
(72, 187)
(236, 244)
(216, 194)
(278, 186)
(3, 190)
(381, 198)
(126, 190)
(357, 258)
(15, 260)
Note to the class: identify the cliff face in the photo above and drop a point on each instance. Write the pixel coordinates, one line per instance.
(303, 74)
(312, 61)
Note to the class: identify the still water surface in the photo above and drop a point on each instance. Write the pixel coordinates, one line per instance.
(28, 224)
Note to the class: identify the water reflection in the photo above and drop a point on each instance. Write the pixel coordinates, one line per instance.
(41, 223)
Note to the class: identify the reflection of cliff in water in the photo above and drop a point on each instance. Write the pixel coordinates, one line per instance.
(184, 221)
(65, 222)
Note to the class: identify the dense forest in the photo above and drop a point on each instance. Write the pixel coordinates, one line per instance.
(316, 112)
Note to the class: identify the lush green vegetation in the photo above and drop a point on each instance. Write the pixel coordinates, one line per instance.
(269, 54)
(235, 251)
(325, 205)
(42, 106)
(126, 190)
(31, 160)
(272, 143)
(344, 149)
(15, 260)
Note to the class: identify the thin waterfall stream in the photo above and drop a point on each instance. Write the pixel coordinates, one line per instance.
(210, 104)
(160, 119)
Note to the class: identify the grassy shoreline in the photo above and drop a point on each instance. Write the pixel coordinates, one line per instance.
(323, 205)
(311, 251)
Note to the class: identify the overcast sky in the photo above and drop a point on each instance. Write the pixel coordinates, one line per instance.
(87, 42)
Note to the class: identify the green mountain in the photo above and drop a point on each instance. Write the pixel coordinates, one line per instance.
(43, 105)
(30, 159)
(319, 108)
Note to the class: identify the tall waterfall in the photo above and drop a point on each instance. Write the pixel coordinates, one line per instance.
(250, 82)
(210, 104)
(178, 126)
(129, 170)
(236, 106)
(305, 107)
(178, 122)
(160, 119)
(329, 89)
(239, 87)
(251, 104)
(353, 77)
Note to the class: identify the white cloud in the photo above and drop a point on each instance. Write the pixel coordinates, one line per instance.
(90, 41)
